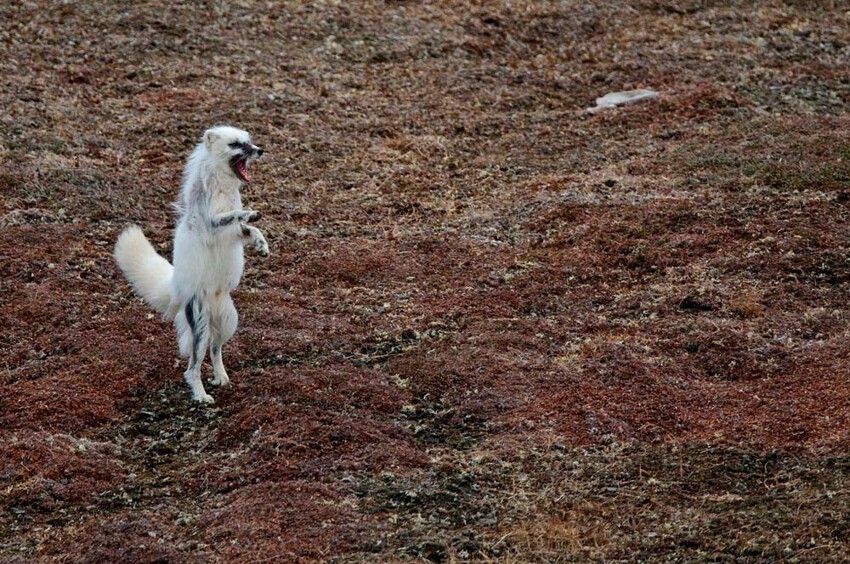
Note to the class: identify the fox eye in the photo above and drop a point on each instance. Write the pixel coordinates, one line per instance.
(234, 145)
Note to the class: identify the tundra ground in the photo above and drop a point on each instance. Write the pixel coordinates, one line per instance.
(493, 325)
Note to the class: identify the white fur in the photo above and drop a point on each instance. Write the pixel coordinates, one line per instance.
(149, 273)
(208, 255)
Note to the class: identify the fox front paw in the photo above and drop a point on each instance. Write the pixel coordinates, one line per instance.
(250, 215)
(260, 244)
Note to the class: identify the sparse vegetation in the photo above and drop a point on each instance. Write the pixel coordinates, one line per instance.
(493, 326)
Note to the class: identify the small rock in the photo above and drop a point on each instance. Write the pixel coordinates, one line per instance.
(614, 99)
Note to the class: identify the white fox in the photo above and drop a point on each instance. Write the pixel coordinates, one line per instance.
(208, 260)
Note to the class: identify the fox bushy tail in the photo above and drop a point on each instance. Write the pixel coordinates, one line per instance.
(148, 273)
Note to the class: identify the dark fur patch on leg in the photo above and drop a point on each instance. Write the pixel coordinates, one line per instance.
(223, 221)
(190, 314)
(192, 317)
(197, 335)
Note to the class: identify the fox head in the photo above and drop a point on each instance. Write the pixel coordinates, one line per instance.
(232, 146)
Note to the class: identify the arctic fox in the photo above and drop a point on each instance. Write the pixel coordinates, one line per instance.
(208, 261)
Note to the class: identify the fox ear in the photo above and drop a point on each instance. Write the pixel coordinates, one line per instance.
(209, 138)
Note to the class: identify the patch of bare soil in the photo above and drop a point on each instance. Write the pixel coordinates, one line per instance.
(493, 325)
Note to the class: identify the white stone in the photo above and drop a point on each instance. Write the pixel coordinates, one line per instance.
(614, 99)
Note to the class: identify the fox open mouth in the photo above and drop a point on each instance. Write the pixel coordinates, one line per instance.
(239, 164)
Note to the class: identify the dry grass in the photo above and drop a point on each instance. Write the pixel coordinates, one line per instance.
(493, 325)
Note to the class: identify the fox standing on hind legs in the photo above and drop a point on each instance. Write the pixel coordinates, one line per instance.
(211, 231)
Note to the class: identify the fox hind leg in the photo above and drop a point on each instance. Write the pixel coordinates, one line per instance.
(196, 340)
(223, 326)
(220, 377)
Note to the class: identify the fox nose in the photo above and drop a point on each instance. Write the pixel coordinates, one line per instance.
(260, 152)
